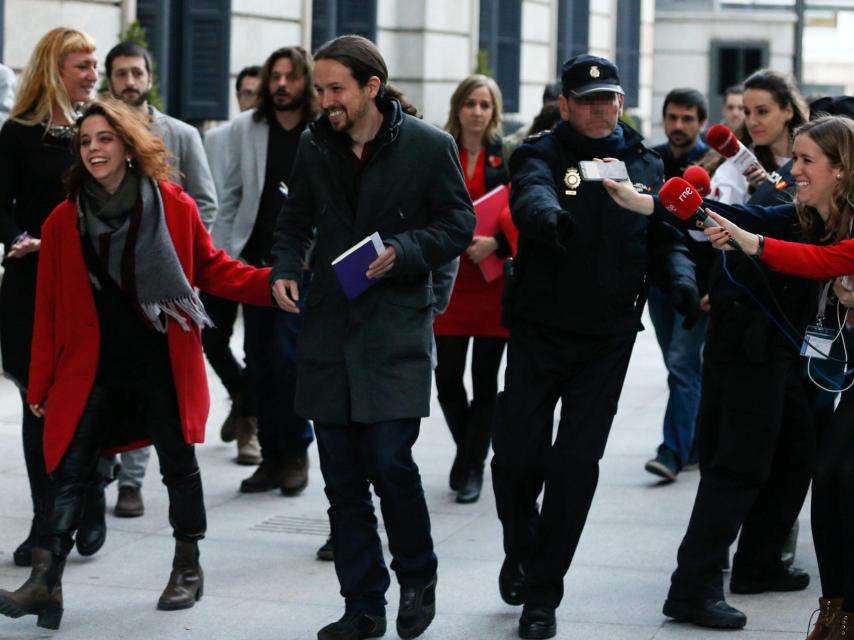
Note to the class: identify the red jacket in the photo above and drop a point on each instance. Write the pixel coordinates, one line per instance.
(66, 337)
(809, 261)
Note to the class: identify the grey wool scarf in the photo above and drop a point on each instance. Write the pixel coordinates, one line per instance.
(132, 243)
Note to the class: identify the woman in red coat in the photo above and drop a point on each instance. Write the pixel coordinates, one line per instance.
(117, 357)
(474, 313)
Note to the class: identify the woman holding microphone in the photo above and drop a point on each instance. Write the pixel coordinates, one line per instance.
(823, 169)
(117, 357)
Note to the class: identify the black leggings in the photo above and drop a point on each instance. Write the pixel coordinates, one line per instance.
(156, 407)
(833, 505)
(451, 352)
(470, 424)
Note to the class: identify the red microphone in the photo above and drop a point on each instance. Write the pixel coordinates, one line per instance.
(682, 200)
(699, 179)
(722, 140)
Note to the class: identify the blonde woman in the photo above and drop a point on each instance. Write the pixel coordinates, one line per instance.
(35, 150)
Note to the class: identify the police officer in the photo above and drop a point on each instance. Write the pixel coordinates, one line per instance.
(574, 308)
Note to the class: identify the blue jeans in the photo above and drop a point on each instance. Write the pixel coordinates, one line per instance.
(682, 351)
(352, 458)
(271, 344)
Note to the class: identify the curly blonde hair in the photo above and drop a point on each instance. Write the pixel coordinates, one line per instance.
(41, 87)
(149, 155)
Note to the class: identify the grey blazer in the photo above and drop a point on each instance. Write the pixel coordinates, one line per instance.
(185, 143)
(216, 148)
(244, 182)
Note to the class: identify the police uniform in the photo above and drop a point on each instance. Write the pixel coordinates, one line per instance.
(574, 306)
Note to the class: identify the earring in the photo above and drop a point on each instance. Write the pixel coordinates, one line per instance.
(839, 176)
(129, 160)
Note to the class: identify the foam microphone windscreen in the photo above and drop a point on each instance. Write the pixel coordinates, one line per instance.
(680, 198)
(722, 140)
(699, 179)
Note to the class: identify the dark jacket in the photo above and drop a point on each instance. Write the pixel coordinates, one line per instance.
(582, 261)
(369, 360)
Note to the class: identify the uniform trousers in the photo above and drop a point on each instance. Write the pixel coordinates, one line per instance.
(757, 452)
(586, 374)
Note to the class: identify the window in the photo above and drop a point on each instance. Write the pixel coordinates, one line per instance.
(628, 48)
(573, 29)
(501, 38)
(731, 63)
(332, 18)
(189, 40)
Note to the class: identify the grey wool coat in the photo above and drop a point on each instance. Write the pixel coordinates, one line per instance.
(368, 360)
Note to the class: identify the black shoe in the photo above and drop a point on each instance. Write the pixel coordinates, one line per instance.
(716, 614)
(354, 625)
(417, 609)
(470, 490)
(511, 579)
(129, 503)
(537, 622)
(92, 531)
(664, 465)
(326, 552)
(782, 579)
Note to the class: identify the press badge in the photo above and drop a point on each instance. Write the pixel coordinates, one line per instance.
(818, 341)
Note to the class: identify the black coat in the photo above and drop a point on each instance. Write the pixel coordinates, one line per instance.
(31, 168)
(583, 262)
(369, 360)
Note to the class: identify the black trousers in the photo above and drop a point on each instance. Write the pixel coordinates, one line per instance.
(156, 407)
(470, 423)
(32, 432)
(216, 344)
(586, 373)
(757, 453)
(354, 457)
(833, 505)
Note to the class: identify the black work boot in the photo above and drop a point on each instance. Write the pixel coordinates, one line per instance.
(417, 609)
(456, 416)
(41, 594)
(186, 583)
(354, 625)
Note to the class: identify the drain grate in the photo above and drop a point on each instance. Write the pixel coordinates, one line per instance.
(297, 525)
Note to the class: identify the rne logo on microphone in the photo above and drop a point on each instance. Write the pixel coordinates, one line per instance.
(686, 193)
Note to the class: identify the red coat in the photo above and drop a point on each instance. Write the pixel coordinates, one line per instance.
(66, 337)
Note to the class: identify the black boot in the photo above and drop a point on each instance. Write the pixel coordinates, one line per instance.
(41, 594)
(456, 415)
(23, 555)
(92, 530)
(186, 583)
(478, 437)
(417, 609)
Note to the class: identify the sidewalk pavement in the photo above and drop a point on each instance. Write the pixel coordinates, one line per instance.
(262, 581)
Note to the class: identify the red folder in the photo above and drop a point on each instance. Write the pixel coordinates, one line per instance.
(487, 210)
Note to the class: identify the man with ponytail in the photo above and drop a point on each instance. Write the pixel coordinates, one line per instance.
(363, 368)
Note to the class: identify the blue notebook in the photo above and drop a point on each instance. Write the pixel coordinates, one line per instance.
(351, 266)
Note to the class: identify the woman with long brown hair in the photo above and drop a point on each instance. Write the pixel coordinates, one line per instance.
(35, 149)
(117, 357)
(474, 313)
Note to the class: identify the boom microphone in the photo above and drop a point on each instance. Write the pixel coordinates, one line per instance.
(682, 200)
(722, 140)
(698, 178)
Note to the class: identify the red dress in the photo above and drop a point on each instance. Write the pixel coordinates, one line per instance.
(475, 307)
